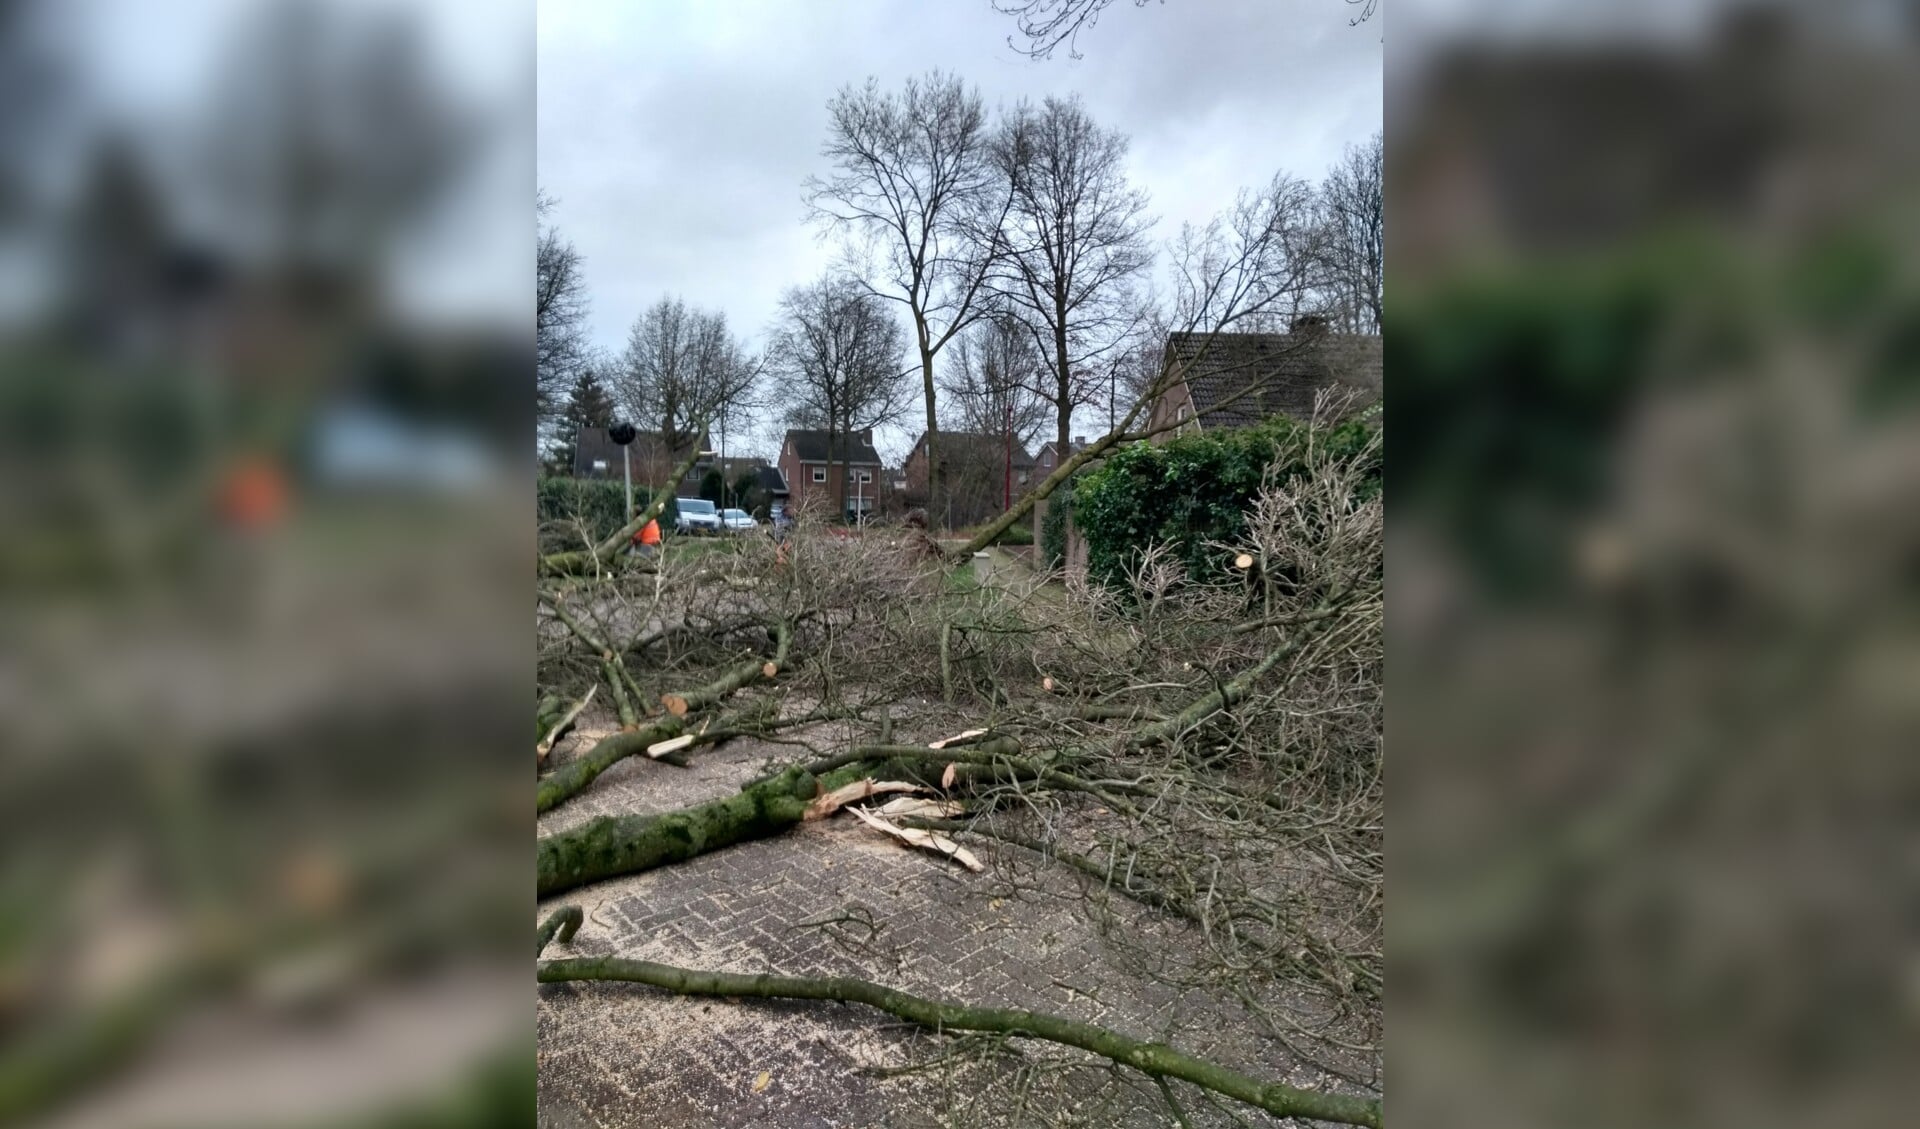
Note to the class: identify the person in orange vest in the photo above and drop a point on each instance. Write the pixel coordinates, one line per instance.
(251, 503)
(253, 494)
(647, 542)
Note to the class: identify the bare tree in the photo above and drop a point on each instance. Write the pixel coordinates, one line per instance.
(681, 367)
(1046, 24)
(559, 310)
(1251, 268)
(1076, 236)
(1353, 251)
(911, 184)
(989, 381)
(837, 358)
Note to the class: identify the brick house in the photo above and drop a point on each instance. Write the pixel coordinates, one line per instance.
(975, 474)
(1050, 455)
(816, 468)
(595, 455)
(1238, 379)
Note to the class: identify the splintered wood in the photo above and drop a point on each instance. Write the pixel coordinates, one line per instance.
(957, 739)
(915, 807)
(827, 803)
(672, 745)
(545, 746)
(925, 840)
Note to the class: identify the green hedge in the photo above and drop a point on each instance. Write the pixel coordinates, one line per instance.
(1192, 491)
(596, 502)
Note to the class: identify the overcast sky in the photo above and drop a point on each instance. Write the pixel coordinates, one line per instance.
(676, 135)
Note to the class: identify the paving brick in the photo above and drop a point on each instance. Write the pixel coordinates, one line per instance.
(621, 1055)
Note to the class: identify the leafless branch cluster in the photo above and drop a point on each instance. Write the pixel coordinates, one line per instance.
(1044, 25)
(559, 313)
(1202, 749)
(680, 368)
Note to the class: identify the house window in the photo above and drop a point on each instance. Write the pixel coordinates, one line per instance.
(600, 466)
(866, 476)
(1182, 417)
(1046, 459)
(819, 474)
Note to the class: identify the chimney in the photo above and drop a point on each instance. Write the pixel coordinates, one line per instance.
(1307, 325)
(866, 436)
(1079, 440)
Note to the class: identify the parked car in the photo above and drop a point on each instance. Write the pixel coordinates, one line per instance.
(738, 521)
(697, 515)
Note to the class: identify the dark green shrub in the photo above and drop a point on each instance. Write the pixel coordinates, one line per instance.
(566, 505)
(1195, 491)
(748, 495)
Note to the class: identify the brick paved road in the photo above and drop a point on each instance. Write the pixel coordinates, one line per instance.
(627, 1055)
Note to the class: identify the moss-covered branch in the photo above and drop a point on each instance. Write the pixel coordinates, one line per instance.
(573, 777)
(743, 674)
(560, 926)
(1157, 1060)
(626, 844)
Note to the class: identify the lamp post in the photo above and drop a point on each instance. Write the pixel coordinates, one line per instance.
(1006, 502)
(623, 434)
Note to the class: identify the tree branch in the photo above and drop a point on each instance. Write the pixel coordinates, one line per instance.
(1156, 1060)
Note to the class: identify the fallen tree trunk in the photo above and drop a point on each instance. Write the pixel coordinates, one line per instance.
(1156, 1060)
(626, 844)
(616, 845)
(580, 562)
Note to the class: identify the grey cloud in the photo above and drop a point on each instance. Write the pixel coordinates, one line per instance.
(677, 136)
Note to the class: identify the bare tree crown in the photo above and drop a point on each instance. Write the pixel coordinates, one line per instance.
(559, 314)
(1076, 238)
(682, 366)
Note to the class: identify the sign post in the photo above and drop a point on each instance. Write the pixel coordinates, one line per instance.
(623, 434)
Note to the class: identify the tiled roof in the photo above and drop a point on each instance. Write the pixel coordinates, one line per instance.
(811, 447)
(772, 481)
(1280, 373)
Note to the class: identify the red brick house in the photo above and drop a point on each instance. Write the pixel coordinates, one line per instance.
(1049, 457)
(843, 476)
(1239, 379)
